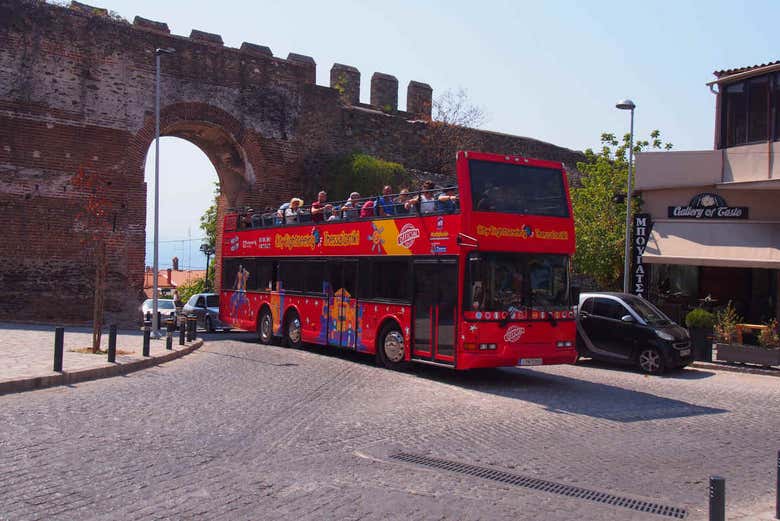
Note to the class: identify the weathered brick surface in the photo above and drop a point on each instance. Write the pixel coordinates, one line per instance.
(237, 430)
(77, 91)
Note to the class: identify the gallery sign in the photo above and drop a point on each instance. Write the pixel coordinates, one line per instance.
(708, 206)
(642, 226)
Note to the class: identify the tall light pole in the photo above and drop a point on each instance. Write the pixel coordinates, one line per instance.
(208, 251)
(627, 104)
(156, 260)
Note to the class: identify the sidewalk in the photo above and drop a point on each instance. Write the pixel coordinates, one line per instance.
(27, 356)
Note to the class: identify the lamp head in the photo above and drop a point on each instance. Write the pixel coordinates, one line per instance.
(165, 50)
(626, 104)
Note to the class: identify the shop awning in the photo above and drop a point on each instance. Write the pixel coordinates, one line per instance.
(715, 243)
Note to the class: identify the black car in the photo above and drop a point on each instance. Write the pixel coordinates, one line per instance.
(627, 329)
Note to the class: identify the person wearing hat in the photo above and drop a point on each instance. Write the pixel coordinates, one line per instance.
(351, 208)
(291, 213)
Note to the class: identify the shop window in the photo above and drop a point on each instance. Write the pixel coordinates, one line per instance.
(747, 111)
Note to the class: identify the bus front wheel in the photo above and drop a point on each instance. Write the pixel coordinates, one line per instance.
(390, 351)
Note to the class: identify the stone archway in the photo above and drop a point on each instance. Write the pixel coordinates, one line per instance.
(234, 152)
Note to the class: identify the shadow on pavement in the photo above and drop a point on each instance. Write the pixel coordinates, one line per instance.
(688, 373)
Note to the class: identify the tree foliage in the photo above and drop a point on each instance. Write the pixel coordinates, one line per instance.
(364, 174)
(599, 218)
(454, 118)
(189, 288)
(208, 221)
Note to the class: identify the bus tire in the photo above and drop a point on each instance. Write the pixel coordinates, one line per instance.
(292, 330)
(265, 327)
(391, 348)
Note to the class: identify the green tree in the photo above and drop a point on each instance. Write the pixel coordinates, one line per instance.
(600, 211)
(208, 223)
(364, 174)
(190, 288)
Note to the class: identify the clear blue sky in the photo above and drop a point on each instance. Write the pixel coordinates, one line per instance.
(548, 70)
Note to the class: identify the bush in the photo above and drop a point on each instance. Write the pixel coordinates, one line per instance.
(770, 337)
(726, 321)
(363, 174)
(188, 289)
(700, 318)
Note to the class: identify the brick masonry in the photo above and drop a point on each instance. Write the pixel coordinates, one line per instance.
(77, 92)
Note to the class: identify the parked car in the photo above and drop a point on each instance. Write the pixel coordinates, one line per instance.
(205, 306)
(165, 309)
(627, 329)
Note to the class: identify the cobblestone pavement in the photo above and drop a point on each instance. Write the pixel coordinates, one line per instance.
(237, 430)
(28, 350)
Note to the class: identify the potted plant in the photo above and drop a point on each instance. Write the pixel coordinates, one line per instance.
(766, 354)
(700, 322)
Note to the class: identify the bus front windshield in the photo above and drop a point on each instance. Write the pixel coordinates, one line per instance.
(517, 281)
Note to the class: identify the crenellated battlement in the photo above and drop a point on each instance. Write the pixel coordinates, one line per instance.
(344, 78)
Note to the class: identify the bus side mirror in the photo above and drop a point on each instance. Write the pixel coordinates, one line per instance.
(574, 294)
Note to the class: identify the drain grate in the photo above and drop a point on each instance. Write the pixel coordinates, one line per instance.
(544, 486)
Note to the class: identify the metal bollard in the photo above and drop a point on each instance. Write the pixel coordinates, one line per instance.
(112, 344)
(777, 494)
(717, 498)
(147, 333)
(192, 325)
(59, 341)
(169, 325)
(182, 331)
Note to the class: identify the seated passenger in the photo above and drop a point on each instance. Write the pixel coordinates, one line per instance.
(447, 201)
(320, 208)
(280, 213)
(425, 202)
(291, 213)
(351, 208)
(402, 202)
(367, 210)
(385, 206)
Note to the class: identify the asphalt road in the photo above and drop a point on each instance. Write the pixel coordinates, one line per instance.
(239, 430)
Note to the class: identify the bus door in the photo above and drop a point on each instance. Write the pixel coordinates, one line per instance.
(342, 304)
(435, 305)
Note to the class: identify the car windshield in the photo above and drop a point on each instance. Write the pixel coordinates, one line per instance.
(212, 301)
(500, 281)
(165, 304)
(648, 312)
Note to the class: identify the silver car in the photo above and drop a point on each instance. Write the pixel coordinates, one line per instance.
(205, 306)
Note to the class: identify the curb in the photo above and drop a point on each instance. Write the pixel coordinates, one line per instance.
(93, 373)
(731, 368)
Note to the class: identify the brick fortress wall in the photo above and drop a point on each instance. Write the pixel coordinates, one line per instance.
(77, 92)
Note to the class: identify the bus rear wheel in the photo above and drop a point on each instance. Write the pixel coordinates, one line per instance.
(292, 330)
(265, 328)
(390, 350)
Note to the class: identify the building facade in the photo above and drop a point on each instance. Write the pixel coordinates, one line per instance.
(712, 217)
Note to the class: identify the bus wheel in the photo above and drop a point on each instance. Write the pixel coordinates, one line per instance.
(292, 330)
(265, 328)
(390, 351)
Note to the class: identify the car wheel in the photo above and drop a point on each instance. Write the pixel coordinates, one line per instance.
(265, 328)
(292, 330)
(650, 361)
(209, 326)
(391, 348)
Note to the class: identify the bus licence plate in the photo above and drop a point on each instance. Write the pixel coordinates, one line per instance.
(530, 361)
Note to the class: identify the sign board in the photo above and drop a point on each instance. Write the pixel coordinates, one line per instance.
(708, 206)
(642, 225)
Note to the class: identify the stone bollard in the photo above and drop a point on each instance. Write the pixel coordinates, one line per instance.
(182, 329)
(59, 342)
(112, 344)
(192, 327)
(147, 333)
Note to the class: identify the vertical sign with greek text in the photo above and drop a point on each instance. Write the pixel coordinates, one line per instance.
(642, 225)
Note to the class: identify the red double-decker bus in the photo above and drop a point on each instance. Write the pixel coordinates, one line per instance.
(481, 284)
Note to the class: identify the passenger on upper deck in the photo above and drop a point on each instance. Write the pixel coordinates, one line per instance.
(385, 206)
(351, 208)
(320, 207)
(447, 201)
(291, 213)
(402, 204)
(426, 202)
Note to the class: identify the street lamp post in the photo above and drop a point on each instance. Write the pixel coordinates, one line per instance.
(208, 251)
(156, 260)
(627, 104)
